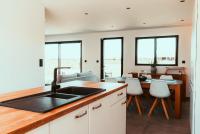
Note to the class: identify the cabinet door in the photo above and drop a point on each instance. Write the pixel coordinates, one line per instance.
(99, 117)
(118, 117)
(122, 116)
(73, 123)
(40, 130)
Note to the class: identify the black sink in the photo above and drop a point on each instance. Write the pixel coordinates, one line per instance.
(61, 96)
(47, 101)
(84, 91)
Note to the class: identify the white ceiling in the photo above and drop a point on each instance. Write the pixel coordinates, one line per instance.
(68, 16)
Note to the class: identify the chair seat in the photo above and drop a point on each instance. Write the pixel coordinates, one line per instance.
(136, 93)
(160, 95)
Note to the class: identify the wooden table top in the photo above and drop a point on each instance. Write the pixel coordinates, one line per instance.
(169, 82)
(14, 121)
(148, 81)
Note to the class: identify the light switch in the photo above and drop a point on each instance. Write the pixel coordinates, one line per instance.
(40, 62)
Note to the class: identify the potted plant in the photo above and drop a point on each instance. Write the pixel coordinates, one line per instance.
(153, 68)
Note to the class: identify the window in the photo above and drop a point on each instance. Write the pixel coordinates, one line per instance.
(62, 54)
(111, 57)
(161, 51)
(51, 61)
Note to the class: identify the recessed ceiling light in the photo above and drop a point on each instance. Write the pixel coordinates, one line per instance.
(182, 0)
(86, 13)
(128, 8)
(144, 23)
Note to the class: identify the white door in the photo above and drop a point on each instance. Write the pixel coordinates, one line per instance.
(73, 123)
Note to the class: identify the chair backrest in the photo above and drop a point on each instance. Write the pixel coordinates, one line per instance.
(134, 87)
(166, 77)
(159, 88)
(147, 75)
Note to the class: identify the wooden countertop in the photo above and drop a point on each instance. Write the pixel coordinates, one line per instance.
(14, 121)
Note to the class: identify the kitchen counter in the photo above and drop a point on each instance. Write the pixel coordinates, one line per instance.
(14, 121)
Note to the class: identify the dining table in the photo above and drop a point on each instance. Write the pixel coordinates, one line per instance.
(174, 85)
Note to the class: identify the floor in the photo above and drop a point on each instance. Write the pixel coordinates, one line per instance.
(157, 124)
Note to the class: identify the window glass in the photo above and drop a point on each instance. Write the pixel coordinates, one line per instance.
(51, 61)
(145, 50)
(71, 57)
(166, 51)
(112, 58)
(62, 54)
(157, 50)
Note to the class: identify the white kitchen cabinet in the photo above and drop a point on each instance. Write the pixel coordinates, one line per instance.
(76, 122)
(118, 117)
(119, 95)
(99, 116)
(108, 115)
(40, 130)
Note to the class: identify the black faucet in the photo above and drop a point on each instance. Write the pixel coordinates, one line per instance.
(54, 85)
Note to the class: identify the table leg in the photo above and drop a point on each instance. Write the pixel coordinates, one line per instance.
(177, 102)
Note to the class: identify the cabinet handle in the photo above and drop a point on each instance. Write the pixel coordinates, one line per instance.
(123, 102)
(81, 115)
(97, 106)
(120, 94)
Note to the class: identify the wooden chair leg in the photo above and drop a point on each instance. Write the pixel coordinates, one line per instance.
(138, 105)
(153, 107)
(165, 109)
(169, 106)
(129, 101)
(140, 102)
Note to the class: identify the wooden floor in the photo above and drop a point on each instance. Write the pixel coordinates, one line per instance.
(157, 124)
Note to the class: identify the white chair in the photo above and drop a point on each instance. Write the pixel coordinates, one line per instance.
(134, 89)
(159, 89)
(166, 77)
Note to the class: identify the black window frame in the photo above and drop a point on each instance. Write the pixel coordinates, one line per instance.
(155, 46)
(59, 50)
(102, 54)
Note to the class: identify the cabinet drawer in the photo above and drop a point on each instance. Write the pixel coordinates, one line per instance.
(117, 96)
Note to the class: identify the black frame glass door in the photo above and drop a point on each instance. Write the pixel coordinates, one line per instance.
(109, 43)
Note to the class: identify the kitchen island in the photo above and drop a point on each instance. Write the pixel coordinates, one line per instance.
(102, 113)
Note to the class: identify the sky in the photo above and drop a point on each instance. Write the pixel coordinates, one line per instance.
(69, 50)
(112, 49)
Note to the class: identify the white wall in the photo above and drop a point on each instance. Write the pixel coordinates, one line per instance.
(195, 72)
(21, 44)
(91, 46)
